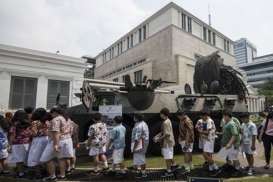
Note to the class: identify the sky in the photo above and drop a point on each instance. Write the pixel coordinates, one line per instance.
(86, 27)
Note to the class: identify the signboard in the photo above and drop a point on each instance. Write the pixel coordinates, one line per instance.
(199, 179)
(109, 112)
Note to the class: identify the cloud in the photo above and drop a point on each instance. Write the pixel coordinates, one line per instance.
(74, 27)
(80, 27)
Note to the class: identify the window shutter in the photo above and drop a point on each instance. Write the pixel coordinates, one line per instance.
(23, 92)
(56, 87)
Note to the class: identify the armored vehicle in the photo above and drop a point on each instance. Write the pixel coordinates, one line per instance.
(217, 87)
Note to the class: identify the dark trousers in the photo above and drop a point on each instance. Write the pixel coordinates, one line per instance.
(268, 142)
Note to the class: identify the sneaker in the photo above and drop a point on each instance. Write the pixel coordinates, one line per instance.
(138, 175)
(21, 174)
(167, 174)
(61, 177)
(68, 172)
(215, 167)
(187, 168)
(191, 166)
(211, 168)
(246, 168)
(144, 175)
(174, 167)
(105, 168)
(50, 178)
(250, 172)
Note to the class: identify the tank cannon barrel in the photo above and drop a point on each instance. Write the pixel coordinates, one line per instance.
(96, 81)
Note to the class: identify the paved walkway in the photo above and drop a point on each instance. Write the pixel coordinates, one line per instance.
(259, 160)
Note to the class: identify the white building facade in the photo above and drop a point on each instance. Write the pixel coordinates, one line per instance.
(35, 78)
(164, 46)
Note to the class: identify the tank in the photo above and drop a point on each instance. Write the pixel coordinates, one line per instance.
(217, 87)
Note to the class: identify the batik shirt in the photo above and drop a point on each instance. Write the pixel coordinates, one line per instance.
(206, 126)
(140, 131)
(98, 134)
(61, 125)
(186, 130)
(249, 130)
(75, 133)
(39, 129)
(21, 136)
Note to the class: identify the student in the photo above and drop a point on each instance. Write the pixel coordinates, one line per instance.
(8, 118)
(60, 144)
(140, 135)
(166, 140)
(249, 134)
(266, 136)
(117, 140)
(75, 140)
(40, 139)
(29, 110)
(231, 138)
(186, 138)
(20, 137)
(3, 145)
(206, 130)
(98, 138)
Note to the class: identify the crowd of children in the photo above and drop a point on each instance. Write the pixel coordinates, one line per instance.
(38, 137)
(35, 138)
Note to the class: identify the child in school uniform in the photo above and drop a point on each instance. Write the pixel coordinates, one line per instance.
(39, 129)
(97, 141)
(3, 145)
(249, 134)
(71, 163)
(166, 139)
(117, 140)
(140, 135)
(206, 129)
(186, 138)
(60, 144)
(20, 138)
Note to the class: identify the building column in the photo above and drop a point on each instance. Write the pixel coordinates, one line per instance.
(5, 79)
(41, 96)
(75, 88)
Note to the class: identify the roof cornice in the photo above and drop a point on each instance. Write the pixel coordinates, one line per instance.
(18, 52)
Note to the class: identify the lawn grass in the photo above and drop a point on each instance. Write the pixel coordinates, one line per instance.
(152, 162)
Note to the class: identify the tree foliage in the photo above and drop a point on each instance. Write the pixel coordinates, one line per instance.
(267, 90)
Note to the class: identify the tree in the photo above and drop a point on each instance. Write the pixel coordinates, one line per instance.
(267, 90)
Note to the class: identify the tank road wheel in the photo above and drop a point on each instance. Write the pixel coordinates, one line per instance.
(88, 97)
